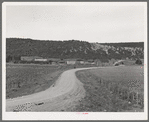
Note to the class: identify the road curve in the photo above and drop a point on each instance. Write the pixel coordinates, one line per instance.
(62, 96)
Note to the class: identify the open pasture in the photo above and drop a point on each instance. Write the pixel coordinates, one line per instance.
(112, 89)
(27, 79)
(131, 77)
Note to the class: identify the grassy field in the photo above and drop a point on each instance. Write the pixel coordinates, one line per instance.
(25, 79)
(113, 89)
(131, 77)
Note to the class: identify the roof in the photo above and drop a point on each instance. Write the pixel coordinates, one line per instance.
(90, 60)
(30, 57)
(61, 61)
(69, 59)
(53, 59)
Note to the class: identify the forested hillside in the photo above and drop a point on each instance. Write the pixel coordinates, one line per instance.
(73, 49)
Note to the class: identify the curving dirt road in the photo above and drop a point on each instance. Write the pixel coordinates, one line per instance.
(62, 96)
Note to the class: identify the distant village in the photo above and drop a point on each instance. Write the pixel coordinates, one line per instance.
(58, 61)
(52, 61)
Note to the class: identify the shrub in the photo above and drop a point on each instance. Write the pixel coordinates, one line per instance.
(138, 61)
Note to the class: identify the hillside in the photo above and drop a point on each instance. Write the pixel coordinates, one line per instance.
(73, 49)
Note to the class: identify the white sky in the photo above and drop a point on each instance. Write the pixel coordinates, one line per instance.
(93, 23)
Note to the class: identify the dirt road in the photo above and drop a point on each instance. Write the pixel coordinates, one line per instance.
(61, 96)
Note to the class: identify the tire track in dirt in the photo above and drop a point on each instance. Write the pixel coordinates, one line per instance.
(62, 96)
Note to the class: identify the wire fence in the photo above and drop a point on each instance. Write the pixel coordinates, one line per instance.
(135, 98)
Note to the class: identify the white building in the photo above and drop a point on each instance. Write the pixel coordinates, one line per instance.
(71, 62)
(41, 59)
(82, 62)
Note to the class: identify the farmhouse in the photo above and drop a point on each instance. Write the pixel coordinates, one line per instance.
(41, 59)
(29, 58)
(70, 61)
(82, 62)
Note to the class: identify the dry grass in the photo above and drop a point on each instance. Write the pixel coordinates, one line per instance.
(25, 79)
(111, 89)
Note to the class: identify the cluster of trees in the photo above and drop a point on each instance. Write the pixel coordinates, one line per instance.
(138, 61)
(15, 59)
(130, 44)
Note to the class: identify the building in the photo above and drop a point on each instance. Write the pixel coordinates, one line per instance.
(82, 62)
(29, 58)
(41, 60)
(70, 61)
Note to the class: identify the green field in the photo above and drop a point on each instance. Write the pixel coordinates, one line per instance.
(112, 89)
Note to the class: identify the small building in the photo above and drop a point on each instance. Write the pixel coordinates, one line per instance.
(54, 63)
(70, 61)
(82, 62)
(29, 58)
(41, 59)
(86, 62)
(90, 60)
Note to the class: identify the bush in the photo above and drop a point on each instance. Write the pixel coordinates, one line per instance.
(138, 61)
(117, 64)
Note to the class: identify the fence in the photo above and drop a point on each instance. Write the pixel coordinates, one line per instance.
(123, 93)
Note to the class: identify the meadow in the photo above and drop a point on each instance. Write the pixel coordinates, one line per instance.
(112, 89)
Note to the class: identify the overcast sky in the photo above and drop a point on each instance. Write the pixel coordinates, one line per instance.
(95, 23)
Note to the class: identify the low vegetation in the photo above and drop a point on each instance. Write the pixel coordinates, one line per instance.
(115, 89)
(25, 79)
(138, 61)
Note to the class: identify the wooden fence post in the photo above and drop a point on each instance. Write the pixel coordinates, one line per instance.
(128, 95)
(137, 98)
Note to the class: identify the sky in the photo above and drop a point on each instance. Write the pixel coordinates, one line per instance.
(92, 23)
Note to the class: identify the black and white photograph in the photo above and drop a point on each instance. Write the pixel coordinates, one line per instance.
(74, 61)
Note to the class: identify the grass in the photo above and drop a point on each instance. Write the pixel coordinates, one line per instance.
(25, 79)
(112, 89)
(131, 77)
